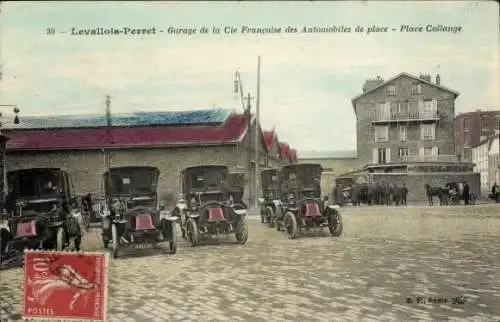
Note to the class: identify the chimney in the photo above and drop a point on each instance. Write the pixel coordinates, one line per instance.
(372, 83)
(438, 79)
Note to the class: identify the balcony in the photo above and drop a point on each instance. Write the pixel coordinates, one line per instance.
(430, 158)
(393, 116)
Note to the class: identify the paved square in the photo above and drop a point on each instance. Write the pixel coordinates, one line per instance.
(386, 257)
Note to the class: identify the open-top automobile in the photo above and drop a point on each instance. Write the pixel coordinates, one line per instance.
(303, 208)
(270, 203)
(41, 212)
(207, 208)
(131, 216)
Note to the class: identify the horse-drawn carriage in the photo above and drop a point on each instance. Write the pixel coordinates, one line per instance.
(207, 207)
(450, 194)
(41, 212)
(131, 216)
(302, 206)
(270, 203)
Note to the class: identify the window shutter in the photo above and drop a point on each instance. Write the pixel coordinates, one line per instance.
(386, 133)
(433, 127)
(422, 151)
(435, 151)
(375, 156)
(375, 134)
(422, 132)
(388, 109)
(420, 106)
(434, 105)
(388, 155)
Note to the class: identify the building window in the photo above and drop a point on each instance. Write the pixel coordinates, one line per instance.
(402, 133)
(403, 107)
(403, 152)
(466, 138)
(381, 133)
(391, 90)
(427, 151)
(466, 124)
(383, 111)
(484, 125)
(428, 132)
(416, 89)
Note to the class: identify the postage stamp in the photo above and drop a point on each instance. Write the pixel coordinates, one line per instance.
(65, 285)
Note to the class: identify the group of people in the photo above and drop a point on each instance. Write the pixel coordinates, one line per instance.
(375, 194)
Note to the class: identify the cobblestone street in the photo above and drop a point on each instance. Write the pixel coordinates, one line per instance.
(385, 257)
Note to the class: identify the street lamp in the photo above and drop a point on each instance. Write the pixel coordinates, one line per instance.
(238, 89)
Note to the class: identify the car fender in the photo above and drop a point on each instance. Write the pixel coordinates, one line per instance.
(240, 212)
(335, 207)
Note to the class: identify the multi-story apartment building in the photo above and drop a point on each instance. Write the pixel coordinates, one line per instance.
(471, 127)
(405, 134)
(485, 156)
(404, 120)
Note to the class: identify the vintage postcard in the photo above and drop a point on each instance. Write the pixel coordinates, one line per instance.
(250, 161)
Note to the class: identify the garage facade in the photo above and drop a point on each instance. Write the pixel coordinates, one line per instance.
(170, 141)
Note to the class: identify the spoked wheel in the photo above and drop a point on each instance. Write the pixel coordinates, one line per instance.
(114, 240)
(290, 224)
(60, 239)
(335, 224)
(241, 231)
(270, 216)
(192, 232)
(5, 238)
(86, 221)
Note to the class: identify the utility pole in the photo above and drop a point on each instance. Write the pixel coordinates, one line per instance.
(257, 124)
(108, 132)
(248, 116)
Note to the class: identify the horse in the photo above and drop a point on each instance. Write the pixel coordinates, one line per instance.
(432, 192)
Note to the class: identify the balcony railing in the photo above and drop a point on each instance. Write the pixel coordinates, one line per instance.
(379, 116)
(430, 158)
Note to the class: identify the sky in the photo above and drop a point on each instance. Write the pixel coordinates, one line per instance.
(307, 79)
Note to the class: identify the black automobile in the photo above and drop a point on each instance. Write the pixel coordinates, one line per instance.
(303, 208)
(131, 216)
(41, 212)
(207, 207)
(270, 203)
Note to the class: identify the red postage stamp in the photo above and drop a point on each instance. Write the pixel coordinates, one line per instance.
(65, 285)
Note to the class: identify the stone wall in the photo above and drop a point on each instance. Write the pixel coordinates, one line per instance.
(416, 181)
(86, 167)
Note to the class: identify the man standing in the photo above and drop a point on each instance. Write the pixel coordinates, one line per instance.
(495, 192)
(396, 190)
(404, 194)
(370, 194)
(466, 193)
(388, 194)
(354, 194)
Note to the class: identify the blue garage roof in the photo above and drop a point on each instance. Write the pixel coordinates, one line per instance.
(193, 117)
